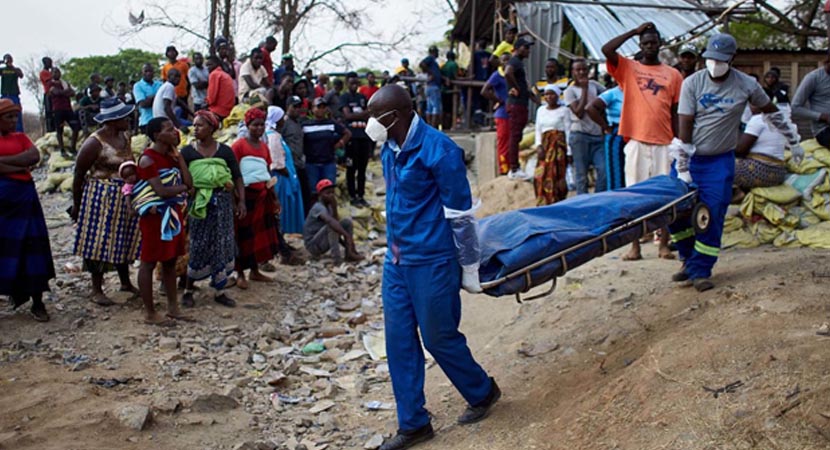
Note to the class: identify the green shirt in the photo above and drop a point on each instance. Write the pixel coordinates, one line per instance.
(450, 71)
(9, 81)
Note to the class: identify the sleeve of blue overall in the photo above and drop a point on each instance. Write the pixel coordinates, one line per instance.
(451, 176)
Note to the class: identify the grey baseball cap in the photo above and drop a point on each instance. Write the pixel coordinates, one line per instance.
(721, 47)
(688, 48)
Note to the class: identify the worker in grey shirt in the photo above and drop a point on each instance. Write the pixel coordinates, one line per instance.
(812, 101)
(709, 113)
(292, 132)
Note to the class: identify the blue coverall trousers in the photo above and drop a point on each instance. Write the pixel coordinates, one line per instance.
(426, 298)
(713, 176)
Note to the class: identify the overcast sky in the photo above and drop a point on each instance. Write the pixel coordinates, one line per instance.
(71, 28)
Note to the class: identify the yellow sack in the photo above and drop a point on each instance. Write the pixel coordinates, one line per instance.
(817, 236)
(739, 238)
(527, 140)
(806, 218)
(819, 204)
(822, 155)
(139, 143)
(732, 223)
(58, 162)
(758, 198)
(786, 240)
(237, 115)
(765, 232)
(807, 165)
(810, 146)
(66, 186)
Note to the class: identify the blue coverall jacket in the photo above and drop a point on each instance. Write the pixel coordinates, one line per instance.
(427, 175)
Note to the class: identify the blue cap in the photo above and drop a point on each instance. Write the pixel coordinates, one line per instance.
(721, 47)
(405, 61)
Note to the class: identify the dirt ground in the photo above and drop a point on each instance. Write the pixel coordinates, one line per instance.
(615, 358)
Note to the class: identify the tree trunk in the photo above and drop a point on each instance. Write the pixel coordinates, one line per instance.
(214, 7)
(226, 27)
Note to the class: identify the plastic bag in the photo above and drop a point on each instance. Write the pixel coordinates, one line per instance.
(570, 177)
(465, 234)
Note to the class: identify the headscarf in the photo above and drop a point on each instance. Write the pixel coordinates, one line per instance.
(254, 114)
(124, 165)
(211, 118)
(7, 105)
(275, 114)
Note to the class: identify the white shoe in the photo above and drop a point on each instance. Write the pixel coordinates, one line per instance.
(518, 174)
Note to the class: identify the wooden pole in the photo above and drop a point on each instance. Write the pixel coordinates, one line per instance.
(468, 106)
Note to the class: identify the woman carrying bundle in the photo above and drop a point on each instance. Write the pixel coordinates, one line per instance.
(219, 191)
(159, 199)
(256, 232)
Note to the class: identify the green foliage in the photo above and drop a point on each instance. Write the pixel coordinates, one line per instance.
(757, 35)
(124, 66)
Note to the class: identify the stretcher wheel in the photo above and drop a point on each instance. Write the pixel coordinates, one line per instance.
(701, 218)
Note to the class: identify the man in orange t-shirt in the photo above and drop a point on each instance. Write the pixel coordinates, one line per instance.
(221, 96)
(651, 92)
(182, 66)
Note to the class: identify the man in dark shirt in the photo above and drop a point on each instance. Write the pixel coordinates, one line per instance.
(287, 67)
(687, 63)
(481, 70)
(60, 94)
(292, 133)
(360, 148)
(518, 94)
(429, 66)
(333, 98)
(90, 105)
(321, 137)
(9, 85)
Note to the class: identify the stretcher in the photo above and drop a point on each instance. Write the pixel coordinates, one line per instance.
(526, 248)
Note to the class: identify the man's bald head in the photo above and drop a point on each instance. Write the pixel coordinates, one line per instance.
(392, 107)
(389, 98)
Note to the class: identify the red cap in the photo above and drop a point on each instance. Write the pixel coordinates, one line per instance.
(324, 183)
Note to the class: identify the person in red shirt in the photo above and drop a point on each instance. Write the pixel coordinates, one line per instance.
(256, 233)
(27, 259)
(371, 86)
(179, 64)
(162, 154)
(267, 62)
(221, 96)
(322, 85)
(46, 81)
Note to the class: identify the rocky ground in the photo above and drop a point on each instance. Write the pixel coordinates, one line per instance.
(616, 358)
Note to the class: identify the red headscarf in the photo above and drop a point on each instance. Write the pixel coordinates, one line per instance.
(254, 114)
(211, 118)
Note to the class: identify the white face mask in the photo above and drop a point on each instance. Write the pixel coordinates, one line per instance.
(716, 69)
(376, 131)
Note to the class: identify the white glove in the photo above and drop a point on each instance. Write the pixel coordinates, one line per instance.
(685, 176)
(798, 153)
(682, 153)
(469, 279)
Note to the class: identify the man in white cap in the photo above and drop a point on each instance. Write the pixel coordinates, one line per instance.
(711, 104)
(687, 64)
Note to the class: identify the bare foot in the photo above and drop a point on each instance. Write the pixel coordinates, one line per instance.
(99, 298)
(180, 316)
(256, 276)
(242, 283)
(648, 237)
(158, 320)
(354, 257)
(129, 288)
(665, 253)
(632, 255)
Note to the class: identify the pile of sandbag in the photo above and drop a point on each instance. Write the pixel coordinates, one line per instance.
(794, 214)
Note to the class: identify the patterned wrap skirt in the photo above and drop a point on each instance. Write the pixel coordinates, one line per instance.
(549, 178)
(752, 172)
(256, 234)
(212, 242)
(25, 256)
(107, 232)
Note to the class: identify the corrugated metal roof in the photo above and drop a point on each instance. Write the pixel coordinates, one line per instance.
(597, 24)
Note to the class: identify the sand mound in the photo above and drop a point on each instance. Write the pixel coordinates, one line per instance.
(503, 194)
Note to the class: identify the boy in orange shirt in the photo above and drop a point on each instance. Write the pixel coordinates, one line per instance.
(179, 64)
(651, 90)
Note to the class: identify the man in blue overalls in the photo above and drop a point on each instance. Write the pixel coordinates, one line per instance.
(433, 252)
(711, 103)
